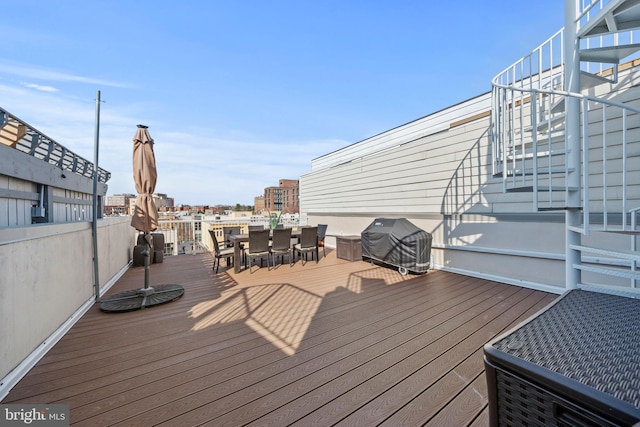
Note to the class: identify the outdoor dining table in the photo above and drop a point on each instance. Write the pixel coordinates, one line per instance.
(236, 239)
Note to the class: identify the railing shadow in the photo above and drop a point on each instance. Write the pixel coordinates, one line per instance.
(281, 313)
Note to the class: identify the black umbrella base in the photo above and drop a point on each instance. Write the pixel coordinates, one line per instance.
(137, 299)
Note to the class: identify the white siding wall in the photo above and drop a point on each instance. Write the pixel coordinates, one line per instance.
(16, 211)
(443, 183)
(448, 172)
(20, 176)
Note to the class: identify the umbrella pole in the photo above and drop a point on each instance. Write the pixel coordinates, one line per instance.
(94, 222)
(147, 290)
(146, 265)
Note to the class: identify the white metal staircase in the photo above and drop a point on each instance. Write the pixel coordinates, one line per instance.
(566, 128)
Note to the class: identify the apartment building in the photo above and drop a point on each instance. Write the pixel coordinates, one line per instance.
(283, 198)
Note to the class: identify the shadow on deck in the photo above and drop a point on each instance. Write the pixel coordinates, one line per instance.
(337, 342)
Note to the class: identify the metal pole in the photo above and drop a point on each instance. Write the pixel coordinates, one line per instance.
(94, 227)
(573, 203)
(147, 255)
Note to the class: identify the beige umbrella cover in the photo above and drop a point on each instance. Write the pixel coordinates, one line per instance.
(145, 216)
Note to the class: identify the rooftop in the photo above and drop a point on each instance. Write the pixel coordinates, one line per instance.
(335, 342)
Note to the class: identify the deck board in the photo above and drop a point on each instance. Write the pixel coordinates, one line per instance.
(327, 343)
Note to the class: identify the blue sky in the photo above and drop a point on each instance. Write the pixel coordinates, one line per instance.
(239, 94)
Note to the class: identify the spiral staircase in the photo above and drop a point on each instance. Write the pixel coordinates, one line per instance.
(566, 128)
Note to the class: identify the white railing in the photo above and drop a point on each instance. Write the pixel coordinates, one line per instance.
(541, 71)
(528, 141)
(575, 151)
(191, 236)
(33, 142)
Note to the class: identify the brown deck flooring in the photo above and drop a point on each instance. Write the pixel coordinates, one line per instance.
(333, 343)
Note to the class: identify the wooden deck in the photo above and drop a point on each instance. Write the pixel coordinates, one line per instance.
(333, 343)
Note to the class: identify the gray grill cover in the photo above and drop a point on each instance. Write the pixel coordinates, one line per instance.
(396, 241)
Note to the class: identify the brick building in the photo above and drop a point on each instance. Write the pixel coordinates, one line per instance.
(283, 198)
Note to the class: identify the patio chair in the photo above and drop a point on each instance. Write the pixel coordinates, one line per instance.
(258, 246)
(308, 243)
(281, 245)
(219, 253)
(322, 232)
(230, 230)
(256, 227)
(234, 230)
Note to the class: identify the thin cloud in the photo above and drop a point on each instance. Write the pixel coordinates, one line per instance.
(35, 72)
(42, 88)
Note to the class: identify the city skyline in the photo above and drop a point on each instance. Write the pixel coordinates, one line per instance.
(281, 198)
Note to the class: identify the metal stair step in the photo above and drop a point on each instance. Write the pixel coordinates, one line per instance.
(541, 188)
(589, 80)
(608, 54)
(615, 253)
(558, 107)
(543, 125)
(616, 15)
(556, 135)
(612, 290)
(626, 274)
(540, 153)
(529, 172)
(550, 209)
(616, 229)
(577, 229)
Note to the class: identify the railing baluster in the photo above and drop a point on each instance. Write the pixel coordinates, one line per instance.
(534, 143)
(605, 209)
(624, 170)
(585, 166)
(634, 242)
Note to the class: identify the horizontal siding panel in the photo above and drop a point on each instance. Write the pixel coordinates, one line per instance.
(615, 150)
(632, 192)
(385, 185)
(451, 171)
(614, 172)
(444, 202)
(403, 157)
(400, 157)
(399, 162)
(421, 172)
(444, 139)
(436, 122)
(426, 173)
(614, 129)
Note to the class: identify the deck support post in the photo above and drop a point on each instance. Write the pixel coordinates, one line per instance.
(573, 203)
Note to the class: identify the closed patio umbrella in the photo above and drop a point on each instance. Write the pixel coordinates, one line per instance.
(145, 215)
(144, 219)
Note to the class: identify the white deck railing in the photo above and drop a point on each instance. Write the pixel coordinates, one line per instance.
(33, 142)
(529, 145)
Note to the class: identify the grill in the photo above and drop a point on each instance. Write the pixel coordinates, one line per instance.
(397, 242)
